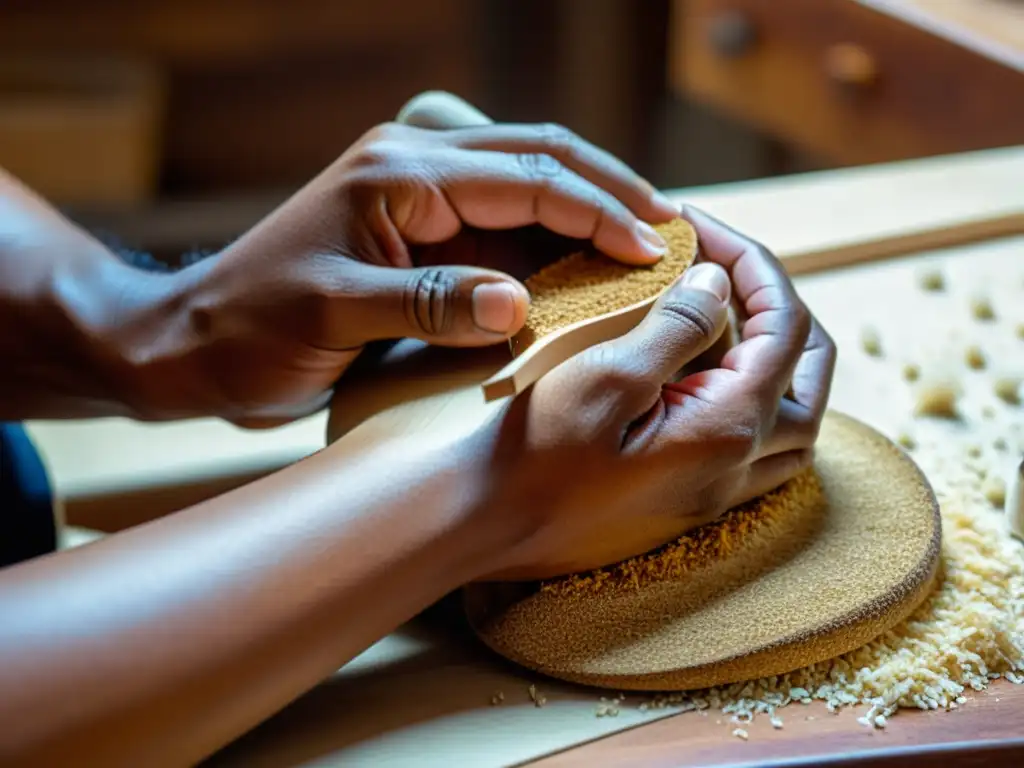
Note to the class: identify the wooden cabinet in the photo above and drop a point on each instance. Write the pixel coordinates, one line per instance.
(843, 80)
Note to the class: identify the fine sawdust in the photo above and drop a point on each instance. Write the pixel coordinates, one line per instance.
(588, 284)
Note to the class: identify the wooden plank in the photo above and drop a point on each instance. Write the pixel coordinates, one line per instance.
(983, 728)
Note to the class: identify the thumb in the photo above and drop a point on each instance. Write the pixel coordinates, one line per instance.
(454, 306)
(685, 321)
(439, 110)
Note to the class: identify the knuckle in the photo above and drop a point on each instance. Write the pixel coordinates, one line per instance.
(803, 459)
(540, 168)
(806, 427)
(386, 132)
(557, 139)
(828, 344)
(608, 373)
(383, 145)
(738, 442)
(762, 250)
(428, 301)
(802, 318)
(691, 319)
(376, 154)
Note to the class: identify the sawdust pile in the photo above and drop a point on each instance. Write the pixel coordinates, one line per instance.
(969, 632)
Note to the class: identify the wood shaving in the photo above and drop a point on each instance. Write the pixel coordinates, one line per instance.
(981, 308)
(911, 372)
(931, 280)
(994, 491)
(871, 342)
(975, 358)
(1007, 389)
(938, 399)
(538, 699)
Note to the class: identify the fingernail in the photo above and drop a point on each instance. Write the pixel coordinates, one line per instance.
(710, 278)
(652, 242)
(494, 307)
(662, 201)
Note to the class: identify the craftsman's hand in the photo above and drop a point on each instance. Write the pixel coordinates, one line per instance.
(378, 246)
(610, 456)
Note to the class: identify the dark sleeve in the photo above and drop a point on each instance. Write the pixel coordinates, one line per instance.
(27, 525)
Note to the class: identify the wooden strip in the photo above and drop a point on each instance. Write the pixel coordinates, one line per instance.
(555, 348)
(960, 233)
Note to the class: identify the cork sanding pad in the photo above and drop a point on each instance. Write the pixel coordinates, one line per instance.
(813, 570)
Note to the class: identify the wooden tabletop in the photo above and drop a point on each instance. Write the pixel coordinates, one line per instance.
(988, 729)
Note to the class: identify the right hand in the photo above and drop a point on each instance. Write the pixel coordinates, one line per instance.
(610, 456)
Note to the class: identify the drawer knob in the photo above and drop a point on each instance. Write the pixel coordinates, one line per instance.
(732, 33)
(851, 66)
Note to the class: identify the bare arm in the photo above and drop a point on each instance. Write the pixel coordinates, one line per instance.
(78, 327)
(159, 645)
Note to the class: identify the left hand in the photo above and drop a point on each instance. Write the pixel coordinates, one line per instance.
(406, 235)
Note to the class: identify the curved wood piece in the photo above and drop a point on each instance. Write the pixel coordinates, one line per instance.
(550, 351)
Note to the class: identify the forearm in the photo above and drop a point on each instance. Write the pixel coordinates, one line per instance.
(159, 645)
(77, 325)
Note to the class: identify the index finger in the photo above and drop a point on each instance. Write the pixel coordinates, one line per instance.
(778, 324)
(578, 155)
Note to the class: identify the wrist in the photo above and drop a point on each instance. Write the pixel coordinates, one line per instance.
(508, 496)
(128, 335)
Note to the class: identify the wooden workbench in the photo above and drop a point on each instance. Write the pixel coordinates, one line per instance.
(422, 699)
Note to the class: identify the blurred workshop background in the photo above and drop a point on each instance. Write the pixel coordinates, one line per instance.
(178, 123)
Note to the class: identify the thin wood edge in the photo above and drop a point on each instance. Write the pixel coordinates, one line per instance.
(932, 238)
(552, 350)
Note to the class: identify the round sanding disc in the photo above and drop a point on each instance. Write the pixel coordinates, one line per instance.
(815, 569)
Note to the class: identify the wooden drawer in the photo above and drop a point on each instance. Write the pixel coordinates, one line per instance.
(842, 81)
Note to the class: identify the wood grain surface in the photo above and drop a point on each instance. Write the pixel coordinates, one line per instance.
(987, 730)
